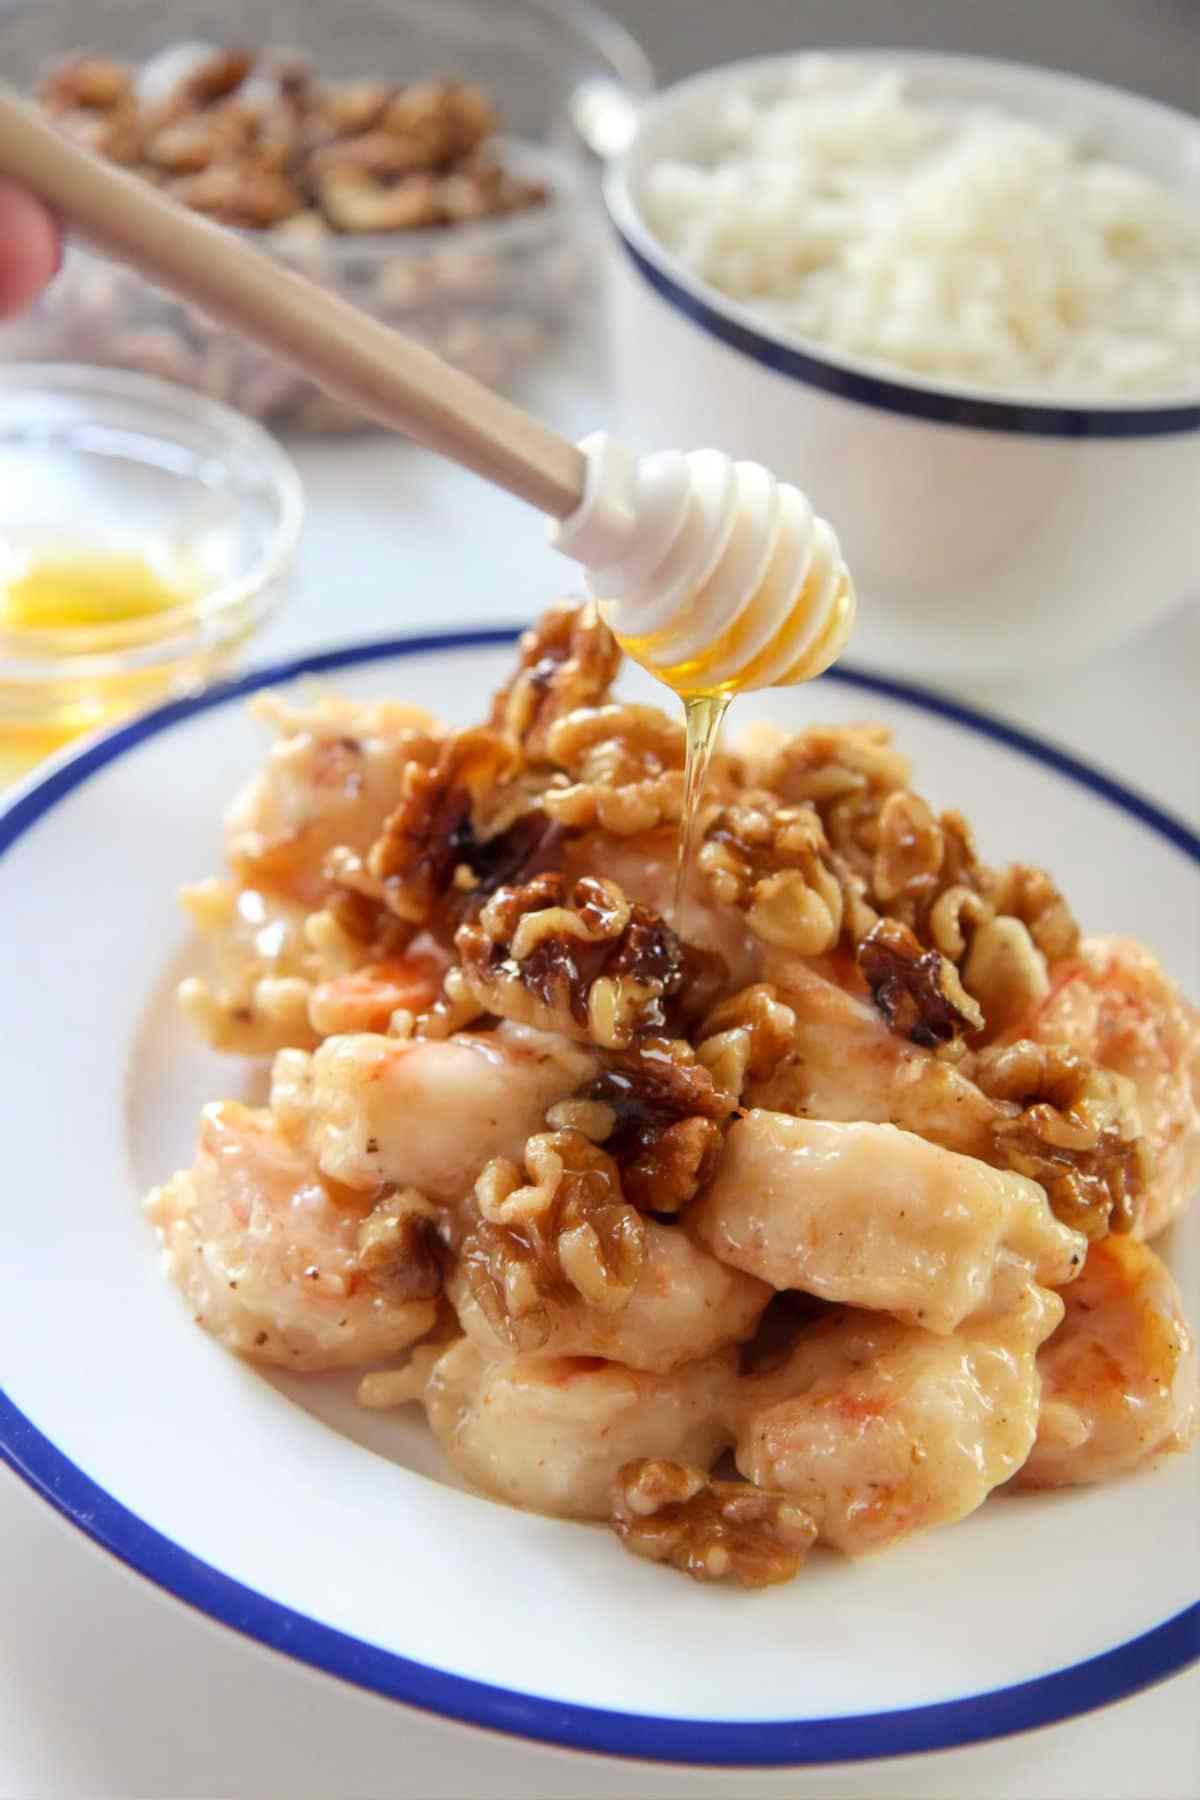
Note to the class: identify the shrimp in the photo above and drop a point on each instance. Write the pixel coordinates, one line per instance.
(871, 1216)
(878, 1429)
(685, 1305)
(846, 1064)
(1119, 1376)
(550, 1433)
(330, 780)
(427, 1113)
(266, 1254)
(1116, 1006)
(366, 998)
(270, 986)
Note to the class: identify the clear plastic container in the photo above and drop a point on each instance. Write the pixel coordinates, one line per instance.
(101, 462)
(489, 295)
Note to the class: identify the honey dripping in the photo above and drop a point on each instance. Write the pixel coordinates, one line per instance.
(703, 716)
(737, 661)
(716, 578)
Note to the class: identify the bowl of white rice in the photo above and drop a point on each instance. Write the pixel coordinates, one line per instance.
(958, 302)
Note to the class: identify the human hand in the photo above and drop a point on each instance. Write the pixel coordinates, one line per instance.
(30, 250)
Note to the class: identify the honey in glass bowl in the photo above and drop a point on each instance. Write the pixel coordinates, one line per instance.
(144, 534)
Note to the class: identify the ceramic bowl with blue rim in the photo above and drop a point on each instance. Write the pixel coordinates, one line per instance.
(989, 534)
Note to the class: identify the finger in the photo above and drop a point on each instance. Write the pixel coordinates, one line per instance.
(29, 249)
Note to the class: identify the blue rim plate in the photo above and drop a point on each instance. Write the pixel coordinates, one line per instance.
(1057, 1695)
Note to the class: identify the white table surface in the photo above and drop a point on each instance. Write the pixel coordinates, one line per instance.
(110, 1689)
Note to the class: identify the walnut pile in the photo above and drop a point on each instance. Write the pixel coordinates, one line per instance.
(900, 860)
(917, 991)
(712, 1530)
(844, 771)
(579, 958)
(567, 660)
(562, 1231)
(667, 1114)
(1078, 1133)
(773, 861)
(624, 769)
(258, 140)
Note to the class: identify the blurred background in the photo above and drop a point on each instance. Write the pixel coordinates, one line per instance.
(1150, 45)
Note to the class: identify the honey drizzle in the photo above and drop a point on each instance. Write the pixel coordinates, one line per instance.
(704, 714)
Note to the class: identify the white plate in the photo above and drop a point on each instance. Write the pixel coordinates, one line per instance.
(335, 1535)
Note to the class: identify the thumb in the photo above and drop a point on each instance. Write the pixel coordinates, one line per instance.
(30, 250)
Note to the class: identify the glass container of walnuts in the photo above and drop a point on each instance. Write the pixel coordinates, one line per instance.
(428, 160)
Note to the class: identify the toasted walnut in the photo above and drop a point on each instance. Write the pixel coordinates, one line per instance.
(114, 133)
(355, 200)
(1028, 894)
(455, 1008)
(829, 762)
(400, 1248)
(447, 119)
(217, 75)
(668, 1114)
(1005, 972)
(85, 81)
(379, 155)
(435, 826)
(625, 765)
(954, 917)
(578, 958)
(674, 1513)
(846, 772)
(593, 1118)
(237, 193)
(566, 661)
(562, 1232)
(1078, 1132)
(746, 1035)
(773, 861)
(908, 851)
(917, 991)
(350, 107)
(924, 871)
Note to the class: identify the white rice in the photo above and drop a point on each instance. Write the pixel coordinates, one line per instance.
(967, 245)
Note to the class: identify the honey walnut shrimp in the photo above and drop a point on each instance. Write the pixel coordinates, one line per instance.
(543, 1119)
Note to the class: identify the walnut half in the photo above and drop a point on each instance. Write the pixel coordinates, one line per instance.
(745, 1035)
(567, 660)
(667, 1118)
(576, 957)
(1077, 1133)
(711, 1530)
(917, 991)
(433, 829)
(624, 766)
(561, 1232)
(773, 862)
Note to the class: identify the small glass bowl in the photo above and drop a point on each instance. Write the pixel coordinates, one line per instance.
(101, 460)
(492, 295)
